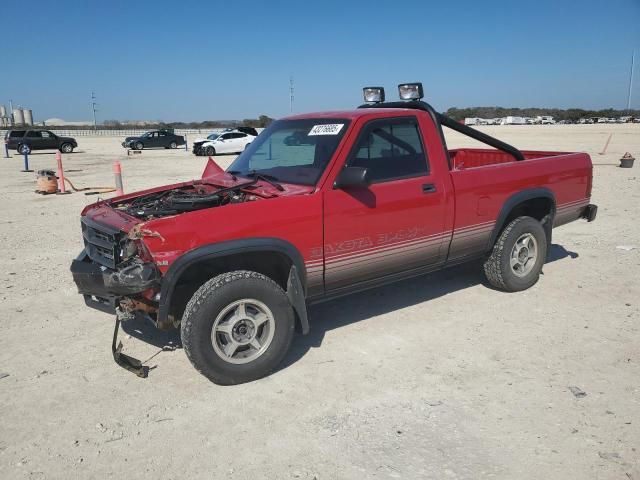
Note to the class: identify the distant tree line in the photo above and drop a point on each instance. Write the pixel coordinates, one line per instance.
(260, 122)
(557, 113)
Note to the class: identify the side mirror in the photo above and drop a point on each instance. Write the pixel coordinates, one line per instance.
(353, 177)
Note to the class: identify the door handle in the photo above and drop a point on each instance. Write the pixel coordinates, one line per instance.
(428, 188)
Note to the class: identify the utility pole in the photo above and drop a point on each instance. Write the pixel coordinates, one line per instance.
(633, 55)
(291, 94)
(93, 108)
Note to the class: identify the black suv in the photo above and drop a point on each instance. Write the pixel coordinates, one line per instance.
(28, 140)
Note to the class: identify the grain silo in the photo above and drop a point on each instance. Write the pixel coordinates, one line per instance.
(3, 111)
(27, 115)
(18, 116)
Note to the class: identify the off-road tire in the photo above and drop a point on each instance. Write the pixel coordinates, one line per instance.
(209, 151)
(66, 148)
(497, 267)
(138, 146)
(205, 305)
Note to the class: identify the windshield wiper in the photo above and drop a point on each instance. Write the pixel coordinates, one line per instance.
(270, 179)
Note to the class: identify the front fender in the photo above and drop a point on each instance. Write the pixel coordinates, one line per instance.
(220, 250)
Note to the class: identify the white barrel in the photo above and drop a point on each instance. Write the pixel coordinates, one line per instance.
(28, 116)
(18, 116)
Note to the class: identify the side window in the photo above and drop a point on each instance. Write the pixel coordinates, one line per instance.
(162, 134)
(226, 136)
(238, 135)
(17, 134)
(34, 134)
(45, 134)
(391, 150)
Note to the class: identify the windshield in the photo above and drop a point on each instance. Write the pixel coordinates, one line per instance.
(292, 151)
(148, 134)
(213, 136)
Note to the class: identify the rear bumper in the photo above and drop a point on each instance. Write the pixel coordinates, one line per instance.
(102, 287)
(590, 212)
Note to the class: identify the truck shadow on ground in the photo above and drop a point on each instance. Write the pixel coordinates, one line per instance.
(344, 311)
(361, 306)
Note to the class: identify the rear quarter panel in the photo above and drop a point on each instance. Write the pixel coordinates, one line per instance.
(482, 192)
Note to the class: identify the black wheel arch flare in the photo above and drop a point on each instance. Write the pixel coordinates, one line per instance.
(515, 200)
(223, 249)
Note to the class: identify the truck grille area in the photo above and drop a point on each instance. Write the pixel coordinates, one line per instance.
(101, 243)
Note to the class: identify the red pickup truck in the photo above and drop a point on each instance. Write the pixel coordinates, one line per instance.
(318, 206)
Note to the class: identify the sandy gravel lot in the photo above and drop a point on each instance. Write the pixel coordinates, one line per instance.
(437, 377)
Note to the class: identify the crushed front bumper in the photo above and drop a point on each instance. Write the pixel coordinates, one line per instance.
(102, 286)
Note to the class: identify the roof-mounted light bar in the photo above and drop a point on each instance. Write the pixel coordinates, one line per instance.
(373, 94)
(410, 91)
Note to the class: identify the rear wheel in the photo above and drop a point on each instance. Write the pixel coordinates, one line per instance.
(66, 148)
(518, 255)
(210, 151)
(237, 327)
(173, 145)
(138, 146)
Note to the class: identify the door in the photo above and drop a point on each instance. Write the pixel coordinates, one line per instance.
(34, 139)
(395, 224)
(152, 140)
(240, 141)
(163, 139)
(49, 140)
(224, 144)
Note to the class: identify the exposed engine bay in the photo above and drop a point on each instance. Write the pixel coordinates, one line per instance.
(184, 199)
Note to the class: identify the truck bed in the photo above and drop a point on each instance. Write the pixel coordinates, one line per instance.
(463, 158)
(485, 180)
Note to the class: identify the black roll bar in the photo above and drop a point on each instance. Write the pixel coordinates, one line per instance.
(441, 119)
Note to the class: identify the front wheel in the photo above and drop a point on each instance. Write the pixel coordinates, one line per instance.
(138, 146)
(518, 255)
(66, 148)
(22, 149)
(237, 327)
(210, 151)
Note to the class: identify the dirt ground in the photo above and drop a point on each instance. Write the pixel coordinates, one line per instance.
(437, 377)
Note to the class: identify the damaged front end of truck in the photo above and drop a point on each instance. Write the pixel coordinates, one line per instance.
(117, 272)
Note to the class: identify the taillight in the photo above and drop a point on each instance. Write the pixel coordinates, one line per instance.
(590, 182)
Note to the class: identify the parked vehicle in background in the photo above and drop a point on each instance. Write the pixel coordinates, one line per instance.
(511, 120)
(545, 120)
(154, 139)
(474, 121)
(26, 140)
(321, 205)
(230, 141)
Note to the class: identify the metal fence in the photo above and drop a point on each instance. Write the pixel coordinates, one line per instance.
(118, 133)
(103, 132)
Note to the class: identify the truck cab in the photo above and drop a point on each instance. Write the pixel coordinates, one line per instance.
(318, 206)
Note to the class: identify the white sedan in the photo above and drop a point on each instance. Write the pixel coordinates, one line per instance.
(228, 142)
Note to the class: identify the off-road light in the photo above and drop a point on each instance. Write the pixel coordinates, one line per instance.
(410, 91)
(373, 94)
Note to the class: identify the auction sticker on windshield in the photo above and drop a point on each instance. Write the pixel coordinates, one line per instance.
(327, 129)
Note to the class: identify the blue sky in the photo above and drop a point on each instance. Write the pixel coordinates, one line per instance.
(193, 60)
